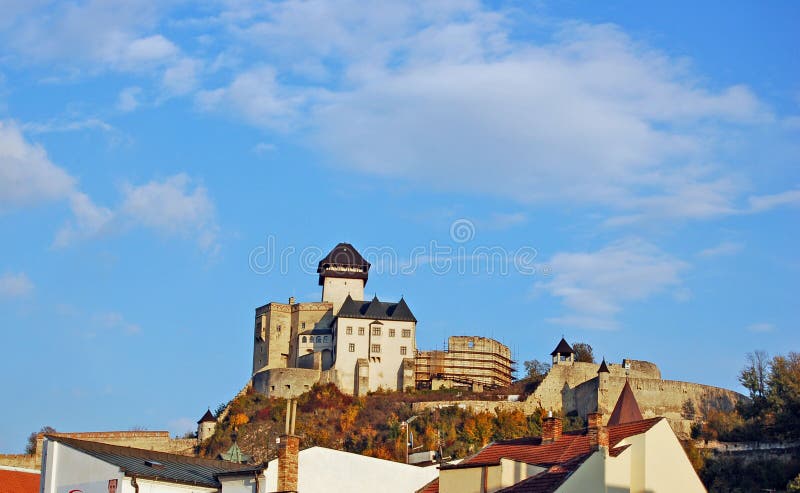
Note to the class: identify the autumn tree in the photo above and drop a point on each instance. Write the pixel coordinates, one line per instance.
(30, 447)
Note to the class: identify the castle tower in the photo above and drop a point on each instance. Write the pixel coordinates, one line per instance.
(627, 409)
(206, 426)
(342, 273)
(603, 373)
(563, 353)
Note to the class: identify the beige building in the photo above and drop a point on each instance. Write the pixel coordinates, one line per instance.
(629, 454)
(359, 345)
(466, 361)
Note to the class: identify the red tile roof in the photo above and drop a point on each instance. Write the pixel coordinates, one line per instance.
(627, 409)
(18, 482)
(561, 457)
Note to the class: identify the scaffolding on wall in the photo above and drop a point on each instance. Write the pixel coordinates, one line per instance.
(466, 360)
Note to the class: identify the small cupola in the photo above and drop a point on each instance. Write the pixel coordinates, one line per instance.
(563, 353)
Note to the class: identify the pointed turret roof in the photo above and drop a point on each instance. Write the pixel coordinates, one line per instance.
(375, 309)
(343, 261)
(627, 409)
(402, 311)
(562, 348)
(603, 367)
(207, 417)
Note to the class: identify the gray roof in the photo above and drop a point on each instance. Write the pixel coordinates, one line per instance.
(316, 331)
(150, 464)
(376, 310)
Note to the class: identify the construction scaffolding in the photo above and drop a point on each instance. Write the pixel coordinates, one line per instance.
(465, 361)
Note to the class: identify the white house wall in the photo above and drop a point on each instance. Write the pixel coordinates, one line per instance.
(65, 469)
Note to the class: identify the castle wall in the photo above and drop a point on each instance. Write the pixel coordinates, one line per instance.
(285, 382)
(336, 289)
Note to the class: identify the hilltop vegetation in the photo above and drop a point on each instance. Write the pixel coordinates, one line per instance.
(370, 425)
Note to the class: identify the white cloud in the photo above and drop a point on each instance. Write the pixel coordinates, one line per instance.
(172, 206)
(129, 98)
(760, 203)
(723, 249)
(761, 327)
(149, 49)
(115, 321)
(256, 95)
(27, 176)
(447, 96)
(15, 285)
(263, 147)
(181, 77)
(595, 286)
(58, 125)
(88, 221)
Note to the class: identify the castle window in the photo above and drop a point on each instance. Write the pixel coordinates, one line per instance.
(303, 325)
(391, 332)
(402, 350)
(376, 348)
(351, 347)
(406, 332)
(305, 340)
(361, 331)
(349, 331)
(376, 331)
(319, 338)
(325, 339)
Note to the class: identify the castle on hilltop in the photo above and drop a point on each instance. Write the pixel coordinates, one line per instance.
(359, 345)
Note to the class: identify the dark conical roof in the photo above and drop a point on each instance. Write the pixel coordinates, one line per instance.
(402, 311)
(343, 261)
(563, 348)
(603, 367)
(627, 409)
(375, 309)
(207, 417)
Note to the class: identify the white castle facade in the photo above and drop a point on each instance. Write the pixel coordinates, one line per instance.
(359, 345)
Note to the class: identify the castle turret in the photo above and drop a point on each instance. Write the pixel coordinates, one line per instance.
(342, 273)
(206, 426)
(603, 374)
(563, 353)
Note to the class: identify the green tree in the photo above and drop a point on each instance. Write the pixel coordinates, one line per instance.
(583, 352)
(783, 395)
(536, 369)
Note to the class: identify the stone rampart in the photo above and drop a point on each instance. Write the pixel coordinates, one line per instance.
(285, 382)
(474, 406)
(21, 460)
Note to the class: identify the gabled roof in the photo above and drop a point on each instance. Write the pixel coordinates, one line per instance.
(376, 310)
(159, 465)
(207, 417)
(603, 367)
(235, 454)
(627, 409)
(562, 348)
(343, 261)
(561, 457)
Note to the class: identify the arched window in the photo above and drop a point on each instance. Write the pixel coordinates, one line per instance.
(325, 339)
(304, 339)
(319, 338)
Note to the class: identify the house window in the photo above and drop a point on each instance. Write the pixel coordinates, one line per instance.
(349, 331)
(406, 332)
(376, 331)
(351, 347)
(361, 331)
(391, 332)
(376, 348)
(402, 350)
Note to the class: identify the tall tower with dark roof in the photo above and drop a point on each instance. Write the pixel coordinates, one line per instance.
(342, 273)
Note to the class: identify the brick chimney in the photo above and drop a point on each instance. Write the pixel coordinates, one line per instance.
(598, 434)
(551, 429)
(288, 452)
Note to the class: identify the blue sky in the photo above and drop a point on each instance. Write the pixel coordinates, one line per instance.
(630, 169)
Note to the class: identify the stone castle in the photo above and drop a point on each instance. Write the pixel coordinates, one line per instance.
(578, 389)
(359, 345)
